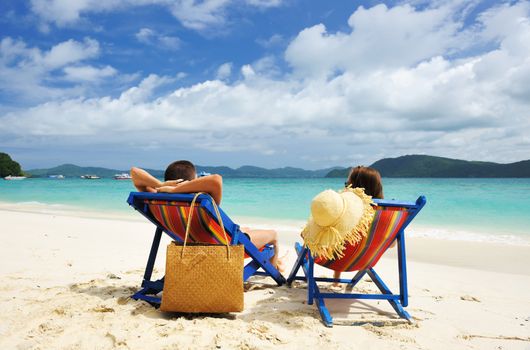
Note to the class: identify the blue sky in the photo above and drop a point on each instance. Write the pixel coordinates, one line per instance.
(271, 83)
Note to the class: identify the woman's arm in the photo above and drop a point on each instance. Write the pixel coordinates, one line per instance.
(212, 184)
(143, 181)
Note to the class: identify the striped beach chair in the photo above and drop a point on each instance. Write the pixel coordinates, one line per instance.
(169, 213)
(390, 220)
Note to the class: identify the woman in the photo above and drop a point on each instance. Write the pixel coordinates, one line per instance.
(369, 179)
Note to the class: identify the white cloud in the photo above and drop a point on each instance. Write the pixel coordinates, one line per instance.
(200, 15)
(150, 37)
(70, 51)
(88, 73)
(60, 11)
(267, 67)
(264, 3)
(194, 14)
(352, 95)
(146, 88)
(29, 73)
(145, 35)
(16, 52)
(224, 71)
(274, 40)
(247, 71)
(380, 38)
(169, 42)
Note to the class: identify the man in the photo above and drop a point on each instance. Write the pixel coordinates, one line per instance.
(181, 177)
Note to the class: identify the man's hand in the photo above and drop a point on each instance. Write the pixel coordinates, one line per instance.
(212, 184)
(170, 185)
(171, 182)
(166, 189)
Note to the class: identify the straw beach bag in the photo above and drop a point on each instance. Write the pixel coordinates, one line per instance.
(202, 277)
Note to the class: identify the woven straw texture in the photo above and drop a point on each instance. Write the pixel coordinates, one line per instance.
(203, 279)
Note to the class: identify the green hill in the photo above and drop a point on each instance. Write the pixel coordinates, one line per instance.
(405, 166)
(8, 166)
(71, 170)
(339, 173)
(430, 166)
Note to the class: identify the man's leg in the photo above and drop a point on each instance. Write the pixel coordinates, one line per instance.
(336, 275)
(262, 237)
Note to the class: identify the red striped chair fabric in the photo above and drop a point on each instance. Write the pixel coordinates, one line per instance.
(174, 217)
(366, 253)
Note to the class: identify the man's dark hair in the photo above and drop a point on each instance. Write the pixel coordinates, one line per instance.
(181, 169)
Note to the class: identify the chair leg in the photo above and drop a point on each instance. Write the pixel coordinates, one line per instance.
(355, 280)
(250, 269)
(324, 313)
(313, 293)
(148, 286)
(396, 304)
(142, 295)
(151, 288)
(300, 260)
(402, 266)
(152, 254)
(311, 283)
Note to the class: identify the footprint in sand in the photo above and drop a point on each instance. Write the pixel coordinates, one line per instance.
(142, 309)
(388, 334)
(263, 332)
(469, 298)
(123, 300)
(102, 309)
(49, 328)
(59, 311)
(113, 276)
(115, 341)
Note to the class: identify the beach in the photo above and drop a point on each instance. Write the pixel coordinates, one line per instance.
(67, 279)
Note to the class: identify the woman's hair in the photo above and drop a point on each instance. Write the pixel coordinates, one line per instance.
(367, 178)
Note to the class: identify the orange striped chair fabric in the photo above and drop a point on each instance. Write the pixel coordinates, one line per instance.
(387, 222)
(174, 217)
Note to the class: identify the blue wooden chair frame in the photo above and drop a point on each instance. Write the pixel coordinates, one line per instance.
(260, 259)
(397, 301)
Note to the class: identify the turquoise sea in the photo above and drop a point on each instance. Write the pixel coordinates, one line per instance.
(469, 209)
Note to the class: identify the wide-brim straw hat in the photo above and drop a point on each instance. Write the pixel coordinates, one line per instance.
(337, 218)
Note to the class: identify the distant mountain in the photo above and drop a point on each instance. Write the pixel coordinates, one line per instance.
(71, 170)
(430, 166)
(8, 166)
(338, 173)
(405, 166)
(286, 172)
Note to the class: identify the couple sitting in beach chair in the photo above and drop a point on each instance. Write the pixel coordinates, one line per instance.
(347, 231)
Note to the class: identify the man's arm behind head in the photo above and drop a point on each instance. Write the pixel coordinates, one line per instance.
(211, 184)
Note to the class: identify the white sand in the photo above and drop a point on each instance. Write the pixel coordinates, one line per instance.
(66, 283)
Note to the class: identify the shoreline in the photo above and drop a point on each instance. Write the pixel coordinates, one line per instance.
(485, 256)
(292, 226)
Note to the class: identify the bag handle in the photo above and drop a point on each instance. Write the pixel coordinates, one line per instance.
(190, 216)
